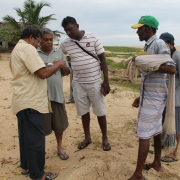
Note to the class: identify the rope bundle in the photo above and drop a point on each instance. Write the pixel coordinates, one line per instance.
(131, 70)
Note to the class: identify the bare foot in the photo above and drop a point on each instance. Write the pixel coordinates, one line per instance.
(60, 150)
(106, 145)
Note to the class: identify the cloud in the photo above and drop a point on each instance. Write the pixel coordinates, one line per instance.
(110, 20)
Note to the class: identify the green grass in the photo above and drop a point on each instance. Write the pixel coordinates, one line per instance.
(112, 65)
(126, 56)
(110, 54)
(122, 49)
(124, 83)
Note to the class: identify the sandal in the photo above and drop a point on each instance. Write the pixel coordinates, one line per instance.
(68, 102)
(106, 147)
(63, 156)
(168, 158)
(26, 172)
(48, 176)
(83, 145)
(147, 167)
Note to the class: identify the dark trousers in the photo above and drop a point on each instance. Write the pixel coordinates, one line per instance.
(31, 142)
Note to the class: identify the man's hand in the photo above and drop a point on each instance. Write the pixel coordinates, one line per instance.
(60, 63)
(133, 58)
(106, 87)
(47, 72)
(136, 102)
(46, 63)
(65, 71)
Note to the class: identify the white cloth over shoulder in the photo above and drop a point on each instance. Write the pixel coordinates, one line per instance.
(152, 62)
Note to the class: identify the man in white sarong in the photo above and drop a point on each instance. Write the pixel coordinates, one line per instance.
(152, 98)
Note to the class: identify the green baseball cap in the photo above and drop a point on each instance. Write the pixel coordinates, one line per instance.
(146, 20)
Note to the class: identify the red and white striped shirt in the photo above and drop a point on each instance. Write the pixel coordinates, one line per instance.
(86, 69)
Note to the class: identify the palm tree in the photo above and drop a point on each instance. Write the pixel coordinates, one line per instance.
(30, 15)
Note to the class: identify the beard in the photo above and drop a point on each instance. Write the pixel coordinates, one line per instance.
(143, 35)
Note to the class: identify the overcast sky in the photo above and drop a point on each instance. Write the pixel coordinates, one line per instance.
(110, 20)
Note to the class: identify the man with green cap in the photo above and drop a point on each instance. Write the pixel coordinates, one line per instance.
(169, 39)
(152, 98)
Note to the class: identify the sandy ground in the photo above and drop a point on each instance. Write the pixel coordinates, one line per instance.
(88, 164)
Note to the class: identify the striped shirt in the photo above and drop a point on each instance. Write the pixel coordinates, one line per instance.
(86, 69)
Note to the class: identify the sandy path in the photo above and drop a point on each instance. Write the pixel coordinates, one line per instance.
(91, 163)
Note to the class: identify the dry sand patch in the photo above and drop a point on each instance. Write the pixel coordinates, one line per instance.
(92, 162)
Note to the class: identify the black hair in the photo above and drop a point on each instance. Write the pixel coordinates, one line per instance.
(170, 42)
(154, 30)
(68, 20)
(46, 31)
(31, 30)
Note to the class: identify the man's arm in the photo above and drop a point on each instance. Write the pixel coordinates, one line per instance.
(47, 72)
(105, 83)
(164, 68)
(66, 70)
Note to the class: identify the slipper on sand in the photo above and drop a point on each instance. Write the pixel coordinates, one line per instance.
(49, 177)
(83, 145)
(147, 167)
(63, 156)
(167, 158)
(68, 102)
(26, 172)
(106, 147)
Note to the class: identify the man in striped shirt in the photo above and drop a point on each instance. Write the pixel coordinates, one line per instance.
(87, 80)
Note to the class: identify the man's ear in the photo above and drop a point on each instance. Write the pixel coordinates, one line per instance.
(30, 37)
(149, 28)
(77, 25)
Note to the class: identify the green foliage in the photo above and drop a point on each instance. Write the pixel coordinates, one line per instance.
(122, 49)
(29, 15)
(8, 34)
(113, 65)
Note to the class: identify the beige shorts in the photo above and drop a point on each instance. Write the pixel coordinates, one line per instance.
(56, 121)
(86, 94)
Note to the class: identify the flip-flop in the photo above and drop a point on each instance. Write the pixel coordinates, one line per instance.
(68, 102)
(106, 147)
(48, 176)
(164, 159)
(147, 167)
(25, 172)
(63, 156)
(83, 145)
